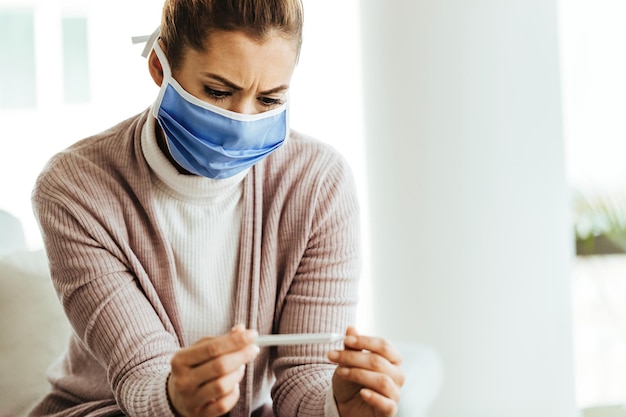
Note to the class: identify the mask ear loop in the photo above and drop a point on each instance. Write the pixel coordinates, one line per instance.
(152, 42)
(167, 76)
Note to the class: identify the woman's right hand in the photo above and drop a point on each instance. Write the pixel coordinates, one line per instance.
(205, 377)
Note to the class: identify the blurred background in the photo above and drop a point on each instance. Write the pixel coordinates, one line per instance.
(487, 141)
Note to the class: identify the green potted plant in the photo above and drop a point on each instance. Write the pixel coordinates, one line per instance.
(600, 222)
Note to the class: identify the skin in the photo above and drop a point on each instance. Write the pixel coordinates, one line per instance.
(244, 75)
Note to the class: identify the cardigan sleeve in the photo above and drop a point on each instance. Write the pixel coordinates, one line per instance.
(322, 296)
(115, 323)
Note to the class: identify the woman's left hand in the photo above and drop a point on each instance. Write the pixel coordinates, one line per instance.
(368, 377)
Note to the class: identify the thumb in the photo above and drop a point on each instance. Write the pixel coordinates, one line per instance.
(351, 331)
(350, 340)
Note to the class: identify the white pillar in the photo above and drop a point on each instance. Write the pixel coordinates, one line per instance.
(471, 237)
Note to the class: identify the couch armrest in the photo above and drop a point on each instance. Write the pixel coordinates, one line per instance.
(33, 327)
(12, 234)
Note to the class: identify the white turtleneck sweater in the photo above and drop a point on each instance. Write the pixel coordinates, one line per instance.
(201, 218)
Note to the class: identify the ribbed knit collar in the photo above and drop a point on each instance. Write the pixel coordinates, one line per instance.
(184, 187)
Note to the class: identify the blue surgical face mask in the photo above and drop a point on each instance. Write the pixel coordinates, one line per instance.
(210, 141)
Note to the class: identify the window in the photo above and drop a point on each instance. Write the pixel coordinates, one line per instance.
(18, 84)
(594, 101)
(75, 60)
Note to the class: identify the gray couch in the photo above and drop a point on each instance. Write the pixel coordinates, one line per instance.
(34, 333)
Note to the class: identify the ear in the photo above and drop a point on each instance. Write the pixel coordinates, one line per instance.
(155, 67)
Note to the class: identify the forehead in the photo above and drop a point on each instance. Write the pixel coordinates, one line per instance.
(217, 38)
(237, 52)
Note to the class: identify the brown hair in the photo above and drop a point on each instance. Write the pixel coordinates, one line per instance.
(187, 23)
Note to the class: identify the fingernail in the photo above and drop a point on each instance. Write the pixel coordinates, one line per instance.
(238, 327)
(349, 340)
(333, 355)
(342, 371)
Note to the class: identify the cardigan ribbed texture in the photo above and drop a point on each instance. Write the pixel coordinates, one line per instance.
(114, 272)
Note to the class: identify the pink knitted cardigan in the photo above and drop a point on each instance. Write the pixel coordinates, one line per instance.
(114, 271)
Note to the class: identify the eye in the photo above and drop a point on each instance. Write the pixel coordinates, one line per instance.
(216, 95)
(270, 102)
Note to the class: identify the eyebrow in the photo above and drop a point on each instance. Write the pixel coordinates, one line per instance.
(234, 86)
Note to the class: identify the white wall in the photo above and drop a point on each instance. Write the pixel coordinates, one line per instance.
(468, 198)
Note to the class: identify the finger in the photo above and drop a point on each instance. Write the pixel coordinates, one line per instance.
(379, 402)
(373, 344)
(208, 348)
(218, 388)
(369, 361)
(189, 379)
(222, 365)
(375, 381)
(352, 333)
(223, 405)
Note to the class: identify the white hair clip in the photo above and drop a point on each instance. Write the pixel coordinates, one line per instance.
(148, 40)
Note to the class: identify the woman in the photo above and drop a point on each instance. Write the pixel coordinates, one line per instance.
(202, 212)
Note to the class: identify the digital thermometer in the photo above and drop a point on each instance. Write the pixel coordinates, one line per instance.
(297, 339)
